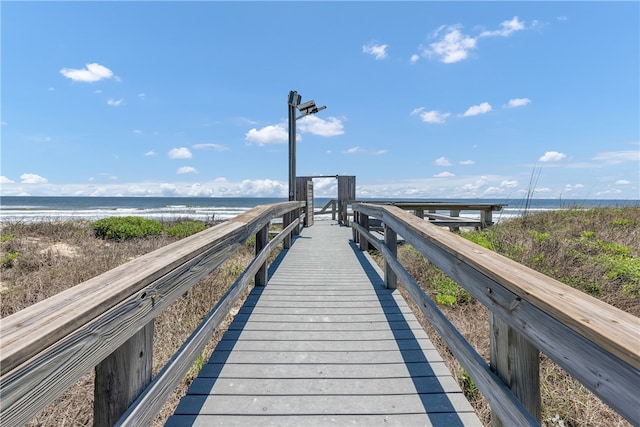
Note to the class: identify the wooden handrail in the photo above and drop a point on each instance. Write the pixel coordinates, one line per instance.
(593, 341)
(46, 347)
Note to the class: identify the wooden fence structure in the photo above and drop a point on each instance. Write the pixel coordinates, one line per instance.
(107, 322)
(530, 312)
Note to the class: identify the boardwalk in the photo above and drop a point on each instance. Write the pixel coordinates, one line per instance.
(324, 343)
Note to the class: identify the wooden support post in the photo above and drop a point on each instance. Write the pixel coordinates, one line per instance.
(486, 218)
(430, 217)
(122, 376)
(286, 220)
(454, 213)
(364, 222)
(391, 241)
(420, 213)
(262, 238)
(333, 209)
(517, 363)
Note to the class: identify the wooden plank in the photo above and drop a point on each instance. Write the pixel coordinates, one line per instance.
(333, 335)
(329, 341)
(330, 404)
(322, 345)
(322, 386)
(382, 420)
(324, 370)
(252, 325)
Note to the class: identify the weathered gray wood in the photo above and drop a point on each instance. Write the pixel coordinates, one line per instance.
(312, 405)
(262, 238)
(517, 363)
(326, 370)
(122, 376)
(501, 399)
(363, 220)
(557, 319)
(377, 420)
(63, 340)
(304, 341)
(391, 242)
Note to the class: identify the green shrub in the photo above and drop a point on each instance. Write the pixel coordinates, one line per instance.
(538, 236)
(482, 238)
(448, 292)
(7, 237)
(126, 227)
(622, 268)
(185, 229)
(8, 259)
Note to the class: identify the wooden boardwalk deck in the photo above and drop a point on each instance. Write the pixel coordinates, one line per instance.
(324, 343)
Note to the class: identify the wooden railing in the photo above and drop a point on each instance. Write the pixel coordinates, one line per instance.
(445, 214)
(594, 342)
(107, 323)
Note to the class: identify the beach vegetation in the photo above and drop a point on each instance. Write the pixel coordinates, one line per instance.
(126, 227)
(185, 228)
(8, 259)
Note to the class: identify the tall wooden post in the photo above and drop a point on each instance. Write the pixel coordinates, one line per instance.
(517, 363)
(262, 238)
(122, 376)
(391, 241)
(364, 222)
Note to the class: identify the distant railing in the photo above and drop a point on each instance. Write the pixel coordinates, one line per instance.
(107, 323)
(594, 342)
(433, 211)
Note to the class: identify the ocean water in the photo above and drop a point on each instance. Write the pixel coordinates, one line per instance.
(30, 209)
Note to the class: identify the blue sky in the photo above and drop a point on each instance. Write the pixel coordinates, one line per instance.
(424, 99)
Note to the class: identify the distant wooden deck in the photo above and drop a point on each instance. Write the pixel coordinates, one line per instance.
(324, 343)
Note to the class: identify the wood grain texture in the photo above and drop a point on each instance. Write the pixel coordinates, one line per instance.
(593, 341)
(324, 338)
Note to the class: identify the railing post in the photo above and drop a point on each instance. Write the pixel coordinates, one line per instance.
(391, 241)
(122, 376)
(486, 217)
(262, 238)
(333, 209)
(431, 218)
(286, 220)
(517, 363)
(364, 222)
(420, 213)
(454, 213)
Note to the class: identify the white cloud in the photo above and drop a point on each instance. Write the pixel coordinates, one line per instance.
(507, 28)
(91, 73)
(617, 157)
(414, 58)
(475, 110)
(150, 153)
(442, 161)
(32, 178)
(352, 150)
(379, 152)
(142, 96)
(5, 180)
(552, 156)
(115, 102)
(137, 131)
(272, 134)
(433, 116)
(179, 153)
(379, 51)
(518, 102)
(186, 169)
(453, 45)
(467, 162)
(443, 175)
(623, 182)
(216, 147)
(321, 127)
(509, 183)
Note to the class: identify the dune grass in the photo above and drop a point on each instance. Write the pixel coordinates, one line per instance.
(595, 250)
